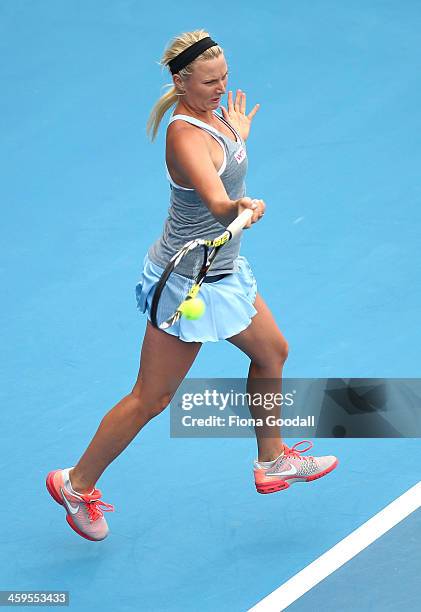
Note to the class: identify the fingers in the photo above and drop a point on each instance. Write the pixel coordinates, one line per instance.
(253, 112)
(239, 104)
(243, 103)
(230, 104)
(259, 211)
(257, 206)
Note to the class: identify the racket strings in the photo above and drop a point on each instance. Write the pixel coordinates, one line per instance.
(181, 280)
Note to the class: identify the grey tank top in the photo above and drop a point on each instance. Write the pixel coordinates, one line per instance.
(189, 218)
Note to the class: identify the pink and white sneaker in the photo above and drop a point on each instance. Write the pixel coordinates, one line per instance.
(84, 511)
(291, 467)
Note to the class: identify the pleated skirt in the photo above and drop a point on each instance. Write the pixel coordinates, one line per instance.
(229, 303)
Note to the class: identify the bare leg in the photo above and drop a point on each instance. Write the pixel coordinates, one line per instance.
(267, 348)
(165, 361)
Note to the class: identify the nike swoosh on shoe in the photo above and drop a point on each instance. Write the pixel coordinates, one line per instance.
(293, 470)
(72, 509)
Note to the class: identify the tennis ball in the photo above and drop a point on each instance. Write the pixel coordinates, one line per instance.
(193, 308)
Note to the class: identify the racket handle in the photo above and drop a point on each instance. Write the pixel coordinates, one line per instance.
(237, 225)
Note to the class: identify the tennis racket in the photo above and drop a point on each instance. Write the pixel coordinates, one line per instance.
(188, 269)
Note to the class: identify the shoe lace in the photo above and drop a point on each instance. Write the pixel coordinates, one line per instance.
(95, 506)
(294, 451)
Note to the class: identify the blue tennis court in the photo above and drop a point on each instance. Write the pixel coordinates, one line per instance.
(335, 153)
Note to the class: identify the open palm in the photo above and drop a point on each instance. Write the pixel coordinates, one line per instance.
(236, 113)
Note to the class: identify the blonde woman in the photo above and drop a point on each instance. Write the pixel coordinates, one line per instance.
(206, 162)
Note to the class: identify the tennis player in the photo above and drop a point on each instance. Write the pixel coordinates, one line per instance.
(206, 160)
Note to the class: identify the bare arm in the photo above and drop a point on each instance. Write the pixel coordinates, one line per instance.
(191, 157)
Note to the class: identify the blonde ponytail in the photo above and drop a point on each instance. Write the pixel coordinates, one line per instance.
(164, 103)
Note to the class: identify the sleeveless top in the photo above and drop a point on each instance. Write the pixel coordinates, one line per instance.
(189, 217)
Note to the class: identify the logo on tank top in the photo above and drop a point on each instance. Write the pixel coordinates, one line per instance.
(240, 155)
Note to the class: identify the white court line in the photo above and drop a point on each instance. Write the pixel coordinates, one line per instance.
(342, 552)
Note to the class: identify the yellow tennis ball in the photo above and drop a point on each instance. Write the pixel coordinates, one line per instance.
(193, 308)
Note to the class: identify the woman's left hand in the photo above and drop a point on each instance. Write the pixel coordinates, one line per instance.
(236, 113)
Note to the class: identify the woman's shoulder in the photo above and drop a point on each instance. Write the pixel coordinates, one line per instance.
(182, 131)
(176, 126)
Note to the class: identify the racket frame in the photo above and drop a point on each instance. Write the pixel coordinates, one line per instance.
(211, 248)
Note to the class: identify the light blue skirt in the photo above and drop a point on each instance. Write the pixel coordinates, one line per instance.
(229, 303)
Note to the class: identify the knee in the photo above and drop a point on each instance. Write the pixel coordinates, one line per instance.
(283, 349)
(279, 352)
(274, 356)
(153, 406)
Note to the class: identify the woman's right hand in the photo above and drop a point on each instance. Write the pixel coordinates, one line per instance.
(257, 206)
